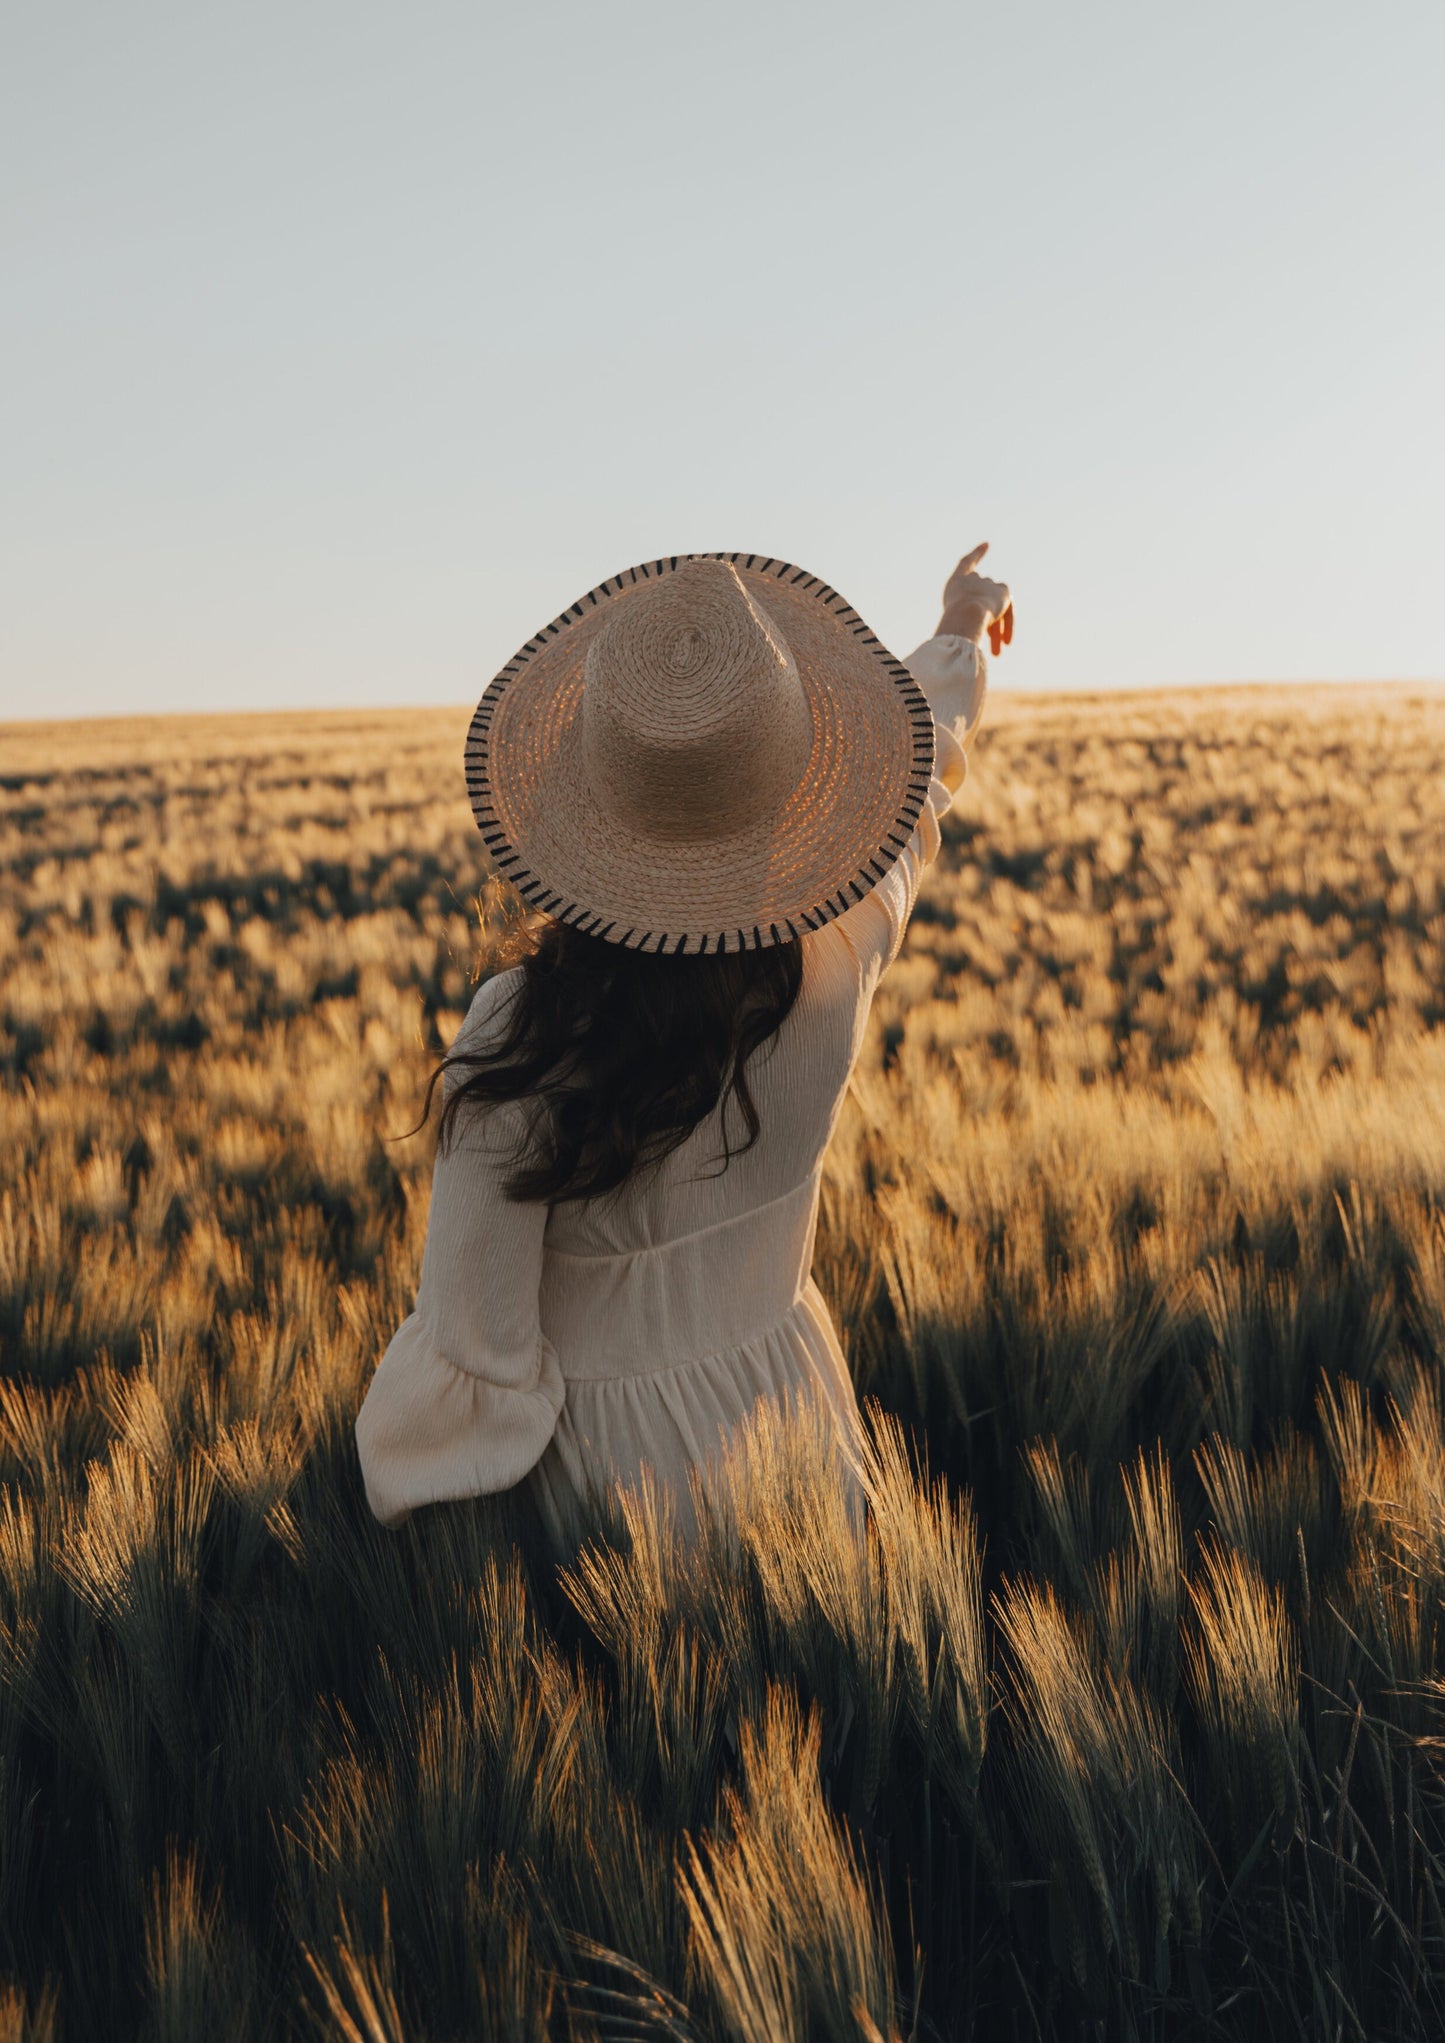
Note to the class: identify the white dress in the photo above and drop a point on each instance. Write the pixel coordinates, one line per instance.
(569, 1345)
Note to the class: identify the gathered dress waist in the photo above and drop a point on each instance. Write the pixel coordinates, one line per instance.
(632, 1313)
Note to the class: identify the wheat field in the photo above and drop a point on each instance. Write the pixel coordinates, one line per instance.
(1125, 1715)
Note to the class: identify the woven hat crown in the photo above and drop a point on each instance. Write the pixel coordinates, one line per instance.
(694, 721)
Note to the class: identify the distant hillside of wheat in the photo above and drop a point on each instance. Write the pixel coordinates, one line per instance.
(1126, 1718)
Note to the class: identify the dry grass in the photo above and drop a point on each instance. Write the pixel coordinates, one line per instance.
(1123, 1716)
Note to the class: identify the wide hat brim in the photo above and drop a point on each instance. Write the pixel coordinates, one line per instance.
(837, 833)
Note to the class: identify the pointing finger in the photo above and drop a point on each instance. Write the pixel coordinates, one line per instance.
(971, 560)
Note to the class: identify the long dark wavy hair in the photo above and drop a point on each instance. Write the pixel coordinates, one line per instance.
(624, 1053)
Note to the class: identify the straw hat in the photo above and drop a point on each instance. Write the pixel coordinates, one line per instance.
(709, 752)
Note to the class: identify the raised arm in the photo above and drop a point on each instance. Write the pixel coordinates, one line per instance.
(952, 671)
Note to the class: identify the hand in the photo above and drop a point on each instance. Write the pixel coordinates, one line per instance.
(973, 605)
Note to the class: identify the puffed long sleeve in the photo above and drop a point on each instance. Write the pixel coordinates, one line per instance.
(467, 1395)
(953, 674)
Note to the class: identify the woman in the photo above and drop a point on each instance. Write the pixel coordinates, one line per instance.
(721, 791)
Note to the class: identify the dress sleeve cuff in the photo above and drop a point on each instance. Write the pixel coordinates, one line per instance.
(953, 673)
(429, 1431)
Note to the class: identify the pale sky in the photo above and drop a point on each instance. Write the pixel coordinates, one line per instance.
(345, 344)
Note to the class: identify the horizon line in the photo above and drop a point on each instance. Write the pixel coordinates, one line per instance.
(459, 704)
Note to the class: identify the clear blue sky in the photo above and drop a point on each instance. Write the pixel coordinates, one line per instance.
(343, 344)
